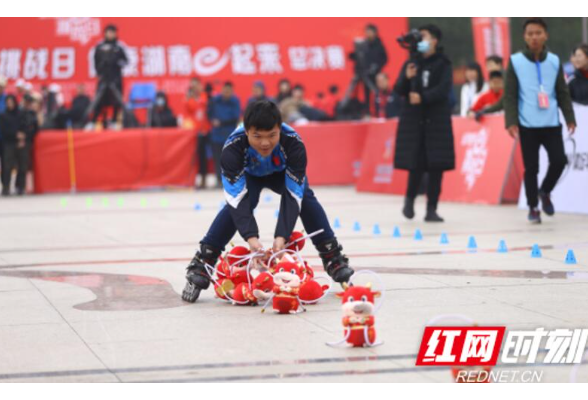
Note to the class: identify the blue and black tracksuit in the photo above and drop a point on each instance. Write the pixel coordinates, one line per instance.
(245, 173)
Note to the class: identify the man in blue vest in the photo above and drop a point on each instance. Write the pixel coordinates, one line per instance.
(535, 89)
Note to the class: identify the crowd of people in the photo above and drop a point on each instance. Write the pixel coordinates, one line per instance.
(215, 112)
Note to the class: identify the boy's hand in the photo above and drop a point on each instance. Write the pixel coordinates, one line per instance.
(279, 244)
(254, 244)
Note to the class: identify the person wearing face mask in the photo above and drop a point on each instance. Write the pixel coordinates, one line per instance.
(160, 115)
(424, 140)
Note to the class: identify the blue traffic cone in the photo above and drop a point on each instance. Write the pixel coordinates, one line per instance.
(396, 233)
(377, 230)
(336, 223)
(570, 257)
(356, 226)
(472, 245)
(502, 247)
(444, 239)
(418, 235)
(535, 251)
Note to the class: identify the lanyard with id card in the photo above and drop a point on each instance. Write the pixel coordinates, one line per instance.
(542, 97)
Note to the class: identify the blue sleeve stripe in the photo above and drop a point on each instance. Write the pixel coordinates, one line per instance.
(295, 189)
(234, 192)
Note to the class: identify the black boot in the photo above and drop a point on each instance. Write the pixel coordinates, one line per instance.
(196, 274)
(408, 210)
(334, 262)
(432, 215)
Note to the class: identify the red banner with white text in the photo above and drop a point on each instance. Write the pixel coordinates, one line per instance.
(168, 51)
(488, 163)
(491, 38)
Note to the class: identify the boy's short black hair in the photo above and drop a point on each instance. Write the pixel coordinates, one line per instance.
(263, 115)
(228, 84)
(496, 74)
(535, 21)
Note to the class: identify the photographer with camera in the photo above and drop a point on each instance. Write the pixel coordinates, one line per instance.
(424, 141)
(109, 60)
(370, 57)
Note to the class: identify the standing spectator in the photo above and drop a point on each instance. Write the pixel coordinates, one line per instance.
(51, 101)
(257, 92)
(224, 113)
(370, 58)
(491, 97)
(196, 107)
(535, 89)
(109, 60)
(284, 90)
(19, 128)
(424, 142)
(471, 90)
(9, 121)
(160, 115)
(79, 105)
(578, 83)
(387, 102)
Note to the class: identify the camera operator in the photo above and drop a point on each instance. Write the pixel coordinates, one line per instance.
(109, 60)
(424, 141)
(370, 58)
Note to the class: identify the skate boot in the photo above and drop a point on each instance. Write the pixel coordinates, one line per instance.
(196, 275)
(334, 262)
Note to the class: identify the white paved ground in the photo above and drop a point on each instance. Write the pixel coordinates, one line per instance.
(90, 283)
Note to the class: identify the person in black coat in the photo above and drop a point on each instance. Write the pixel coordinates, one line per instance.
(19, 129)
(424, 141)
(370, 57)
(160, 115)
(109, 60)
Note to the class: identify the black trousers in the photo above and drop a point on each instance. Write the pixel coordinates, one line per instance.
(108, 97)
(433, 186)
(415, 176)
(14, 156)
(201, 153)
(531, 140)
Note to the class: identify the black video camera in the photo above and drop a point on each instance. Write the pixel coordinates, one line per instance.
(410, 41)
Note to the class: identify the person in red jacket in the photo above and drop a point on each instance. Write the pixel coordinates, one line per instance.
(196, 118)
(491, 97)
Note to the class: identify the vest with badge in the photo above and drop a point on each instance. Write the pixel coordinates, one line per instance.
(537, 97)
